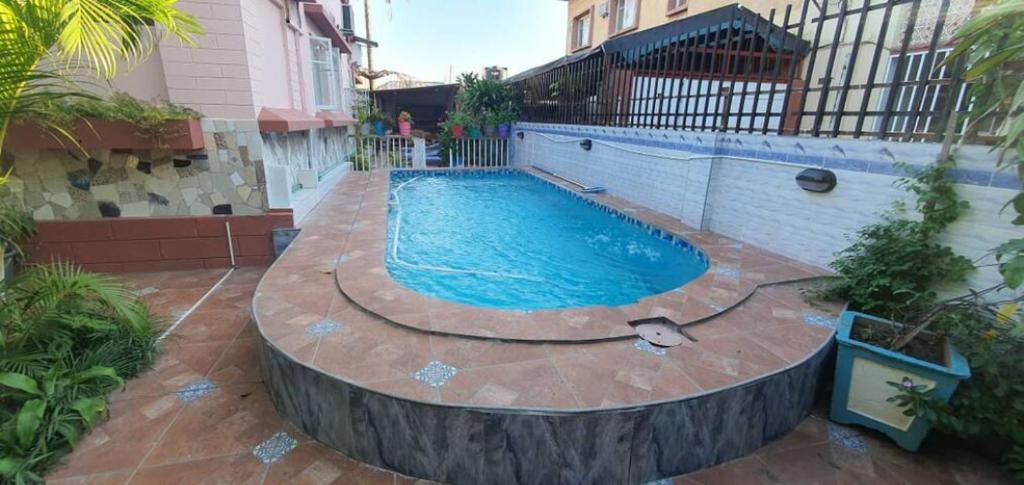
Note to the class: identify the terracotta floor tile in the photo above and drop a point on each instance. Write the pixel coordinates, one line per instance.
(812, 465)
(121, 442)
(239, 364)
(524, 384)
(742, 471)
(315, 464)
(113, 478)
(211, 325)
(240, 468)
(229, 420)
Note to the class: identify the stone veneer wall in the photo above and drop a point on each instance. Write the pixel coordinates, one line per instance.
(65, 185)
(743, 186)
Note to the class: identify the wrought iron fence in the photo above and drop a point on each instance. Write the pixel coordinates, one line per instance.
(850, 68)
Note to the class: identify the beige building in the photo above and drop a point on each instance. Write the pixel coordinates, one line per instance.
(591, 22)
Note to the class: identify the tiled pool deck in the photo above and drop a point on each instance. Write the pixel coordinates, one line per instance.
(154, 436)
(380, 335)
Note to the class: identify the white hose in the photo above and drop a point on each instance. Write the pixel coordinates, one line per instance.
(440, 269)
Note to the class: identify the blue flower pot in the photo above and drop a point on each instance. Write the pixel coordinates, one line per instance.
(474, 132)
(503, 130)
(863, 371)
(378, 127)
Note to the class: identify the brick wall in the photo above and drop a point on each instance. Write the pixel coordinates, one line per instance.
(158, 243)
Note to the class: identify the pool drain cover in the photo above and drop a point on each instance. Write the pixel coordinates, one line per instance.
(660, 334)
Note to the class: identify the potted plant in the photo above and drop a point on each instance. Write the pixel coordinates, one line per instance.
(869, 378)
(490, 124)
(404, 123)
(363, 117)
(456, 123)
(888, 341)
(505, 119)
(473, 127)
(377, 118)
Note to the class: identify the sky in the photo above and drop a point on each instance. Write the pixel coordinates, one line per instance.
(424, 37)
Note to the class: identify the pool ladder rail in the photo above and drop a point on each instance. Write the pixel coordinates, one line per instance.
(583, 188)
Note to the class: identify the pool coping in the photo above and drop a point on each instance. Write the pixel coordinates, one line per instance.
(735, 271)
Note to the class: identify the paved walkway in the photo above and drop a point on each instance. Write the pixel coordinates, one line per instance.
(202, 416)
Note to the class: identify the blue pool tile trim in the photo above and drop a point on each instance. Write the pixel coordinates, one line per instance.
(645, 346)
(847, 438)
(323, 328)
(722, 144)
(435, 373)
(196, 389)
(819, 320)
(675, 240)
(274, 448)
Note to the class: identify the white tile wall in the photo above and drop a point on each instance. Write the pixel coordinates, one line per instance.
(759, 202)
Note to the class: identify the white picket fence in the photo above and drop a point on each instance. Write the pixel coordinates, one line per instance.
(377, 152)
(480, 152)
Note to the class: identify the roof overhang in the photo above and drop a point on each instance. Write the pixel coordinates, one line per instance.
(701, 28)
(323, 21)
(284, 120)
(334, 119)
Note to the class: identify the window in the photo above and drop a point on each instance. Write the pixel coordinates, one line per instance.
(325, 73)
(625, 15)
(934, 93)
(676, 6)
(581, 30)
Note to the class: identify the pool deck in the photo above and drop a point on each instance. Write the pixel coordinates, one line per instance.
(333, 322)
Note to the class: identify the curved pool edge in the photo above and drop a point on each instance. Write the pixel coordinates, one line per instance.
(735, 271)
(473, 444)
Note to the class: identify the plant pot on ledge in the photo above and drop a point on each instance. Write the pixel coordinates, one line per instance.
(110, 134)
(864, 371)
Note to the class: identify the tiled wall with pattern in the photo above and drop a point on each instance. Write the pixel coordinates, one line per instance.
(752, 195)
(319, 149)
(67, 185)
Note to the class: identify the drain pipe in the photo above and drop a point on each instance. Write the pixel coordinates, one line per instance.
(231, 245)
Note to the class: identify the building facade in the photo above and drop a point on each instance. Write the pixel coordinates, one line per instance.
(274, 82)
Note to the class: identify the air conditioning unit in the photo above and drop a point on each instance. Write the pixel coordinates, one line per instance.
(602, 9)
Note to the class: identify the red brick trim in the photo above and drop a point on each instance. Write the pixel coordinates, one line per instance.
(158, 243)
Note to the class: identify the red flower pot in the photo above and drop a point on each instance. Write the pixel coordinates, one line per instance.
(404, 128)
(457, 131)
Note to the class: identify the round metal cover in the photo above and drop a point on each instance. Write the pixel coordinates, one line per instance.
(660, 334)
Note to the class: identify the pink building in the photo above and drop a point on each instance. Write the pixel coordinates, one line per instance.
(274, 81)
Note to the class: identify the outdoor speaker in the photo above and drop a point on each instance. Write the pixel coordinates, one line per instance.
(816, 180)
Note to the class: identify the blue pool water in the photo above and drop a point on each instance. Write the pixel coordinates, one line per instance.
(512, 241)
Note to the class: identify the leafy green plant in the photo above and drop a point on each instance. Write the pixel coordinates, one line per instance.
(893, 267)
(991, 47)
(41, 39)
(149, 118)
(67, 339)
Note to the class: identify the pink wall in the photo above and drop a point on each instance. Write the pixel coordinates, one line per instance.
(248, 59)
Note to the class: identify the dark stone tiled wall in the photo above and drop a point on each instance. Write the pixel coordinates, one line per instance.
(466, 445)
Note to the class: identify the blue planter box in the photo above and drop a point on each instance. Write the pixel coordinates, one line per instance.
(861, 389)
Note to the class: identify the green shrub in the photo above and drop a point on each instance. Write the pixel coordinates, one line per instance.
(893, 267)
(67, 340)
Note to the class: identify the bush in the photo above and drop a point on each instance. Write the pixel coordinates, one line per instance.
(69, 339)
(893, 267)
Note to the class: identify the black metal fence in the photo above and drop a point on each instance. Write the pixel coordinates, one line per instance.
(849, 68)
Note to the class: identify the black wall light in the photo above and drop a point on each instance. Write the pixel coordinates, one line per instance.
(586, 144)
(520, 135)
(816, 180)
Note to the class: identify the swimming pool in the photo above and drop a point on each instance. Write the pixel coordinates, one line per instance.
(509, 240)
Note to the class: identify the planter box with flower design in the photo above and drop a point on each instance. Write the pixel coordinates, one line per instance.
(98, 133)
(864, 373)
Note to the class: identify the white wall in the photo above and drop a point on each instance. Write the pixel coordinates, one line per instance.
(757, 201)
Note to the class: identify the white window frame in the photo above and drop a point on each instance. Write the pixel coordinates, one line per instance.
(329, 66)
(582, 26)
(624, 9)
(676, 6)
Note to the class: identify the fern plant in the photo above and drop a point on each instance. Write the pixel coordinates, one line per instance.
(67, 339)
